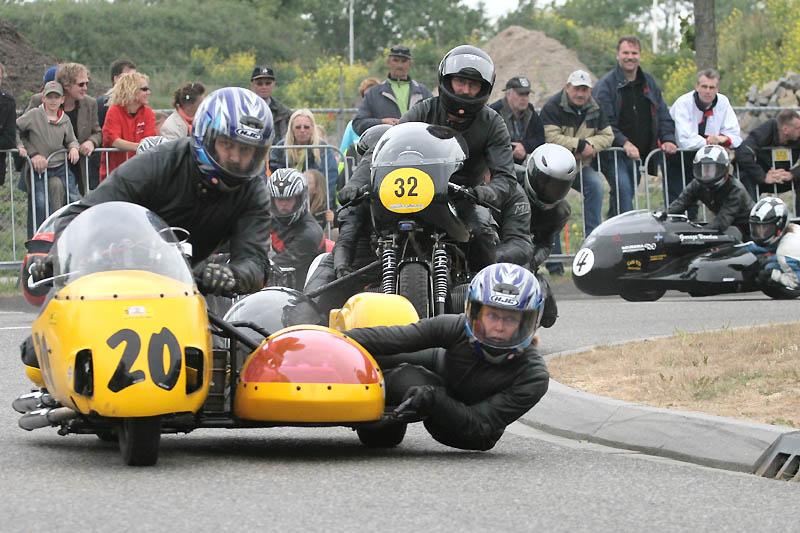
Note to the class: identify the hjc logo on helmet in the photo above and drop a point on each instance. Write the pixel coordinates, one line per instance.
(248, 132)
(504, 299)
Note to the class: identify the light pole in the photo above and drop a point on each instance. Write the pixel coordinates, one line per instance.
(351, 32)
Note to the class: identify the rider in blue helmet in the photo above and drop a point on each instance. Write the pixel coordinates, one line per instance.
(208, 184)
(468, 375)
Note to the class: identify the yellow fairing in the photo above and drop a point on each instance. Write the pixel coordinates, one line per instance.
(369, 309)
(310, 374)
(145, 332)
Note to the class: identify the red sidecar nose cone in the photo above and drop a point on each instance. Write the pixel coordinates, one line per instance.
(310, 356)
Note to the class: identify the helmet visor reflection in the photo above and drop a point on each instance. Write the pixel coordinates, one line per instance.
(463, 64)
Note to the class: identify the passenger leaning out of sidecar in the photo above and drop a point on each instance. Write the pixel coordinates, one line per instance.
(776, 242)
(718, 190)
(468, 375)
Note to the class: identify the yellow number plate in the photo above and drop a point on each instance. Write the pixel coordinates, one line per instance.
(406, 190)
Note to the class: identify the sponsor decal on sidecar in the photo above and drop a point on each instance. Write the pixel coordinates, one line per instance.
(632, 248)
(697, 238)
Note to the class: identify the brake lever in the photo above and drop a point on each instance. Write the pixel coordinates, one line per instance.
(354, 202)
(464, 191)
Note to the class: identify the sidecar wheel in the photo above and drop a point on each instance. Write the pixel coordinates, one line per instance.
(414, 284)
(385, 437)
(780, 293)
(139, 439)
(641, 295)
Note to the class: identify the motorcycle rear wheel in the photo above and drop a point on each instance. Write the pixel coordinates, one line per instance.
(385, 437)
(139, 439)
(414, 284)
(641, 295)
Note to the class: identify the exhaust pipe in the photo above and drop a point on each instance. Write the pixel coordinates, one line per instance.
(33, 400)
(40, 418)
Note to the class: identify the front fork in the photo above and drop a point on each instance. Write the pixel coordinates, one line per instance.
(439, 272)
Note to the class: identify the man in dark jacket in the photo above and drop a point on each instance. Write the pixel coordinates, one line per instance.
(470, 375)
(207, 184)
(262, 82)
(772, 171)
(639, 117)
(8, 128)
(466, 77)
(721, 193)
(387, 102)
(522, 121)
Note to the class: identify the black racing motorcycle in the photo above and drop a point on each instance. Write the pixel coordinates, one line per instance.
(638, 256)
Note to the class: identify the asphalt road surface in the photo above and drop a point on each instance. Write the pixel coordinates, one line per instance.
(293, 479)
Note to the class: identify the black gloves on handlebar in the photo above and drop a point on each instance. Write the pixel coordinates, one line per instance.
(217, 279)
(40, 267)
(660, 215)
(344, 270)
(349, 193)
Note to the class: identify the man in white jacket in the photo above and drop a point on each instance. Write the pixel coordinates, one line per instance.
(702, 117)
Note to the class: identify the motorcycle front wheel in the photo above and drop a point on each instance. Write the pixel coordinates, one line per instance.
(139, 440)
(385, 437)
(414, 285)
(777, 292)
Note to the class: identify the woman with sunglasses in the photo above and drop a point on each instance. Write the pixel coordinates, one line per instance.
(128, 121)
(303, 131)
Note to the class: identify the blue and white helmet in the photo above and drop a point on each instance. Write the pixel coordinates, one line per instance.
(503, 308)
(231, 135)
(286, 183)
(148, 143)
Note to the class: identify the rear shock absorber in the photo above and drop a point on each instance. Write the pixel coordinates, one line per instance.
(389, 272)
(440, 268)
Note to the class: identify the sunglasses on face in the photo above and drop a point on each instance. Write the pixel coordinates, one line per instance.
(145, 89)
(83, 84)
(302, 127)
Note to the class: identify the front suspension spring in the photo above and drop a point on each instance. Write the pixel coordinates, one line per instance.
(389, 260)
(440, 288)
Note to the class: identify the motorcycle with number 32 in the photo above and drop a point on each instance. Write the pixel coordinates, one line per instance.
(127, 349)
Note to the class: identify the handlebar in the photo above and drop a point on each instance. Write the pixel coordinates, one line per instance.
(466, 192)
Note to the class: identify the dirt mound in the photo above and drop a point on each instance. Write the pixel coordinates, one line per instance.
(25, 65)
(544, 61)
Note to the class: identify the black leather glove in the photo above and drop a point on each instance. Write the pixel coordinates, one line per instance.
(342, 271)
(217, 279)
(348, 193)
(660, 215)
(482, 194)
(40, 267)
(763, 259)
(420, 398)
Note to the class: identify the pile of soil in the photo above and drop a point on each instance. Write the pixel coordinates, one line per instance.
(25, 65)
(546, 62)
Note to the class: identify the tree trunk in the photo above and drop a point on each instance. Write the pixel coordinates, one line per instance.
(705, 34)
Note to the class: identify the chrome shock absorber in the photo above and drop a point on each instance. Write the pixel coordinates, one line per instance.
(389, 270)
(440, 287)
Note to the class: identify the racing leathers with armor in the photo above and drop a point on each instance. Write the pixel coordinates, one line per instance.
(474, 400)
(167, 181)
(729, 201)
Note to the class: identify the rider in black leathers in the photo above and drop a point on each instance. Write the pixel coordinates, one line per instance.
(468, 394)
(212, 204)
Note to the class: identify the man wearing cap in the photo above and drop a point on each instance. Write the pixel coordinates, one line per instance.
(523, 124)
(573, 119)
(386, 102)
(631, 100)
(262, 81)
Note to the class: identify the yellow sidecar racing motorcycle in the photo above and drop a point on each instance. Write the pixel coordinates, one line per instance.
(127, 349)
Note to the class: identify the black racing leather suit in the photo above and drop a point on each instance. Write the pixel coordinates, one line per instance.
(167, 181)
(730, 202)
(296, 245)
(478, 399)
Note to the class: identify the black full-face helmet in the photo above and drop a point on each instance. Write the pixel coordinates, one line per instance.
(468, 62)
(710, 166)
(550, 173)
(768, 220)
(370, 138)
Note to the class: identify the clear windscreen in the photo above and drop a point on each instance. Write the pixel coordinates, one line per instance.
(118, 236)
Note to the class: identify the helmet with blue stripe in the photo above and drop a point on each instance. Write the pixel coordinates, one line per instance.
(503, 309)
(231, 134)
